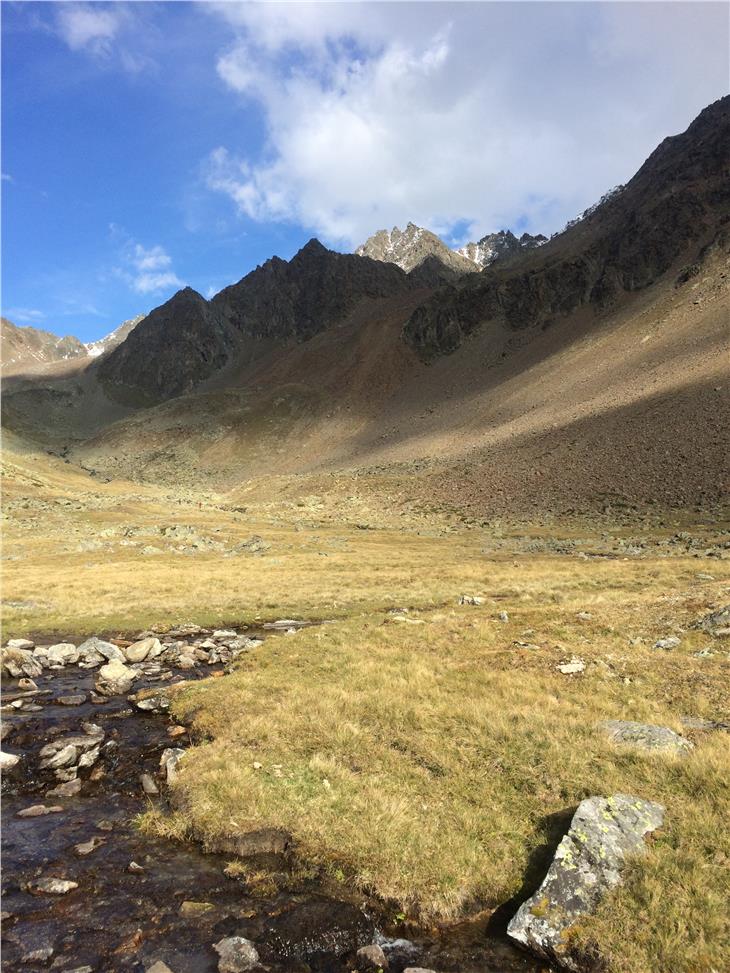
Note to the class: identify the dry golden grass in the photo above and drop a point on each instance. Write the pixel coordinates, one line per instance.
(430, 761)
(435, 763)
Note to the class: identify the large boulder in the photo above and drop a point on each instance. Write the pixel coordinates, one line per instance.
(148, 648)
(587, 864)
(646, 736)
(60, 654)
(96, 650)
(115, 679)
(16, 663)
(236, 955)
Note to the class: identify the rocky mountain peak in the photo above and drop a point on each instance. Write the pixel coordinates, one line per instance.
(410, 247)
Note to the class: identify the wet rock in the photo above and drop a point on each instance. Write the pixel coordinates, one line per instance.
(64, 756)
(89, 758)
(645, 736)
(52, 886)
(266, 841)
(400, 952)
(70, 789)
(470, 600)
(671, 642)
(38, 810)
(417, 969)
(115, 679)
(61, 654)
(157, 702)
(148, 648)
(574, 666)
(16, 663)
(71, 700)
(135, 869)
(176, 731)
(158, 967)
(40, 955)
(86, 847)
(94, 649)
(224, 633)
(27, 684)
(236, 955)
(8, 760)
(20, 644)
(583, 616)
(169, 761)
(66, 773)
(192, 910)
(148, 784)
(587, 864)
(105, 825)
(371, 958)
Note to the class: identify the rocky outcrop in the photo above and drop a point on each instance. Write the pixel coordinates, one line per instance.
(409, 248)
(26, 347)
(499, 246)
(188, 339)
(675, 208)
(588, 863)
(646, 736)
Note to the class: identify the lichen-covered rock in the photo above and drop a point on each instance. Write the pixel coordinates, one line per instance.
(588, 863)
(717, 622)
(646, 736)
(237, 955)
(16, 663)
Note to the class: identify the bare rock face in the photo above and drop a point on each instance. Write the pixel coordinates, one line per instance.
(409, 248)
(645, 736)
(237, 955)
(587, 864)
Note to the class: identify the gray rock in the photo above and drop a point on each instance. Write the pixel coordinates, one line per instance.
(40, 955)
(371, 958)
(94, 647)
(61, 654)
(8, 760)
(706, 726)
(587, 864)
(135, 868)
(148, 648)
(52, 886)
(65, 756)
(398, 951)
(503, 617)
(37, 811)
(89, 758)
(670, 642)
(71, 700)
(573, 667)
(148, 784)
(236, 955)
(20, 644)
(169, 761)
(714, 621)
(645, 736)
(86, 847)
(158, 967)
(115, 679)
(470, 600)
(17, 663)
(158, 702)
(70, 789)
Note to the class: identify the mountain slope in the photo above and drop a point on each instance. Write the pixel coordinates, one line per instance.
(498, 246)
(97, 348)
(27, 347)
(677, 204)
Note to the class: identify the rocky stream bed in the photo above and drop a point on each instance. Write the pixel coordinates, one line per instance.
(84, 890)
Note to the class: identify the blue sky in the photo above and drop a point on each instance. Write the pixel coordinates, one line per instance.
(151, 145)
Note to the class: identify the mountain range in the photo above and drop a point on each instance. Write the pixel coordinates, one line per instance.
(513, 373)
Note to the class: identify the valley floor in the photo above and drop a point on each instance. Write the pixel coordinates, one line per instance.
(425, 750)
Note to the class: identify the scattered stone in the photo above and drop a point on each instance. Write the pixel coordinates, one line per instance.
(696, 723)
(70, 789)
(470, 600)
(52, 886)
(706, 653)
(157, 702)
(16, 663)
(148, 648)
(237, 955)
(95, 647)
(371, 958)
(61, 654)
(574, 666)
(135, 868)
(168, 762)
(27, 684)
(148, 784)
(192, 910)
(158, 967)
(20, 644)
(71, 700)
(645, 736)
(587, 864)
(503, 617)
(8, 760)
(64, 756)
(105, 825)
(670, 642)
(584, 616)
(40, 955)
(38, 810)
(86, 847)
(176, 731)
(225, 633)
(89, 758)
(717, 622)
(399, 951)
(285, 623)
(115, 679)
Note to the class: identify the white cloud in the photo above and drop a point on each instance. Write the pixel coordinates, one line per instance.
(6, 177)
(26, 315)
(146, 270)
(89, 26)
(488, 115)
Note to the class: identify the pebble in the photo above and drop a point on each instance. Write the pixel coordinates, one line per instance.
(86, 847)
(503, 617)
(135, 868)
(371, 958)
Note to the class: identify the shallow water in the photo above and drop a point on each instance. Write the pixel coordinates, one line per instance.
(118, 920)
